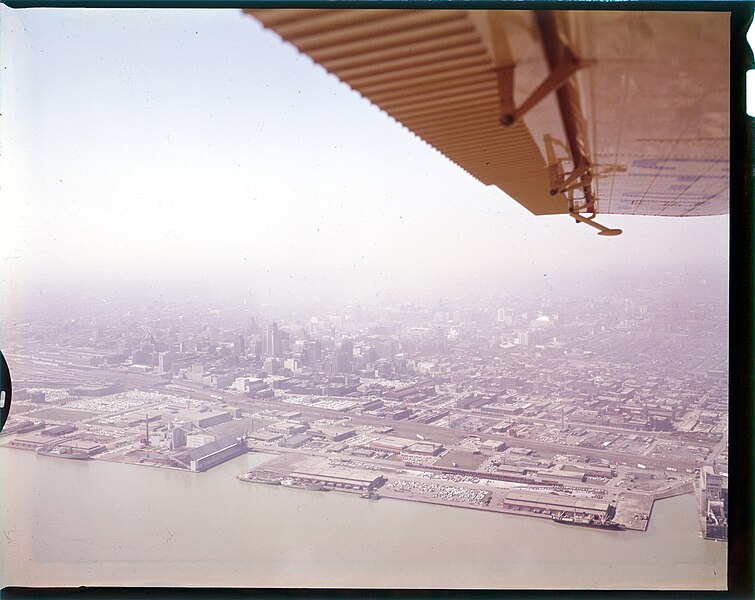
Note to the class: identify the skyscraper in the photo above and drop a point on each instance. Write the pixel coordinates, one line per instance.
(272, 340)
(505, 316)
(239, 345)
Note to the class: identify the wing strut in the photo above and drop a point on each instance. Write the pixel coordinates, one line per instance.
(568, 66)
(602, 229)
(563, 64)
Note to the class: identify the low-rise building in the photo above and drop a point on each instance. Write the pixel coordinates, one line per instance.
(205, 418)
(493, 445)
(554, 504)
(424, 448)
(296, 441)
(288, 427)
(335, 433)
(85, 446)
(390, 444)
(337, 476)
(265, 436)
(559, 476)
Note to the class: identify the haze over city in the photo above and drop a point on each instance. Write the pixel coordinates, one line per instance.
(179, 146)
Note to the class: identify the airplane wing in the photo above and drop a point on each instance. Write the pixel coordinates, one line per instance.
(567, 112)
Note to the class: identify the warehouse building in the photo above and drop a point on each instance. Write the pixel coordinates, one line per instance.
(37, 396)
(288, 427)
(390, 444)
(426, 388)
(551, 504)
(335, 433)
(217, 452)
(94, 390)
(197, 440)
(85, 446)
(493, 445)
(594, 470)
(337, 476)
(559, 477)
(502, 474)
(424, 448)
(59, 430)
(31, 441)
(206, 418)
(136, 419)
(265, 436)
(514, 473)
(433, 416)
(296, 441)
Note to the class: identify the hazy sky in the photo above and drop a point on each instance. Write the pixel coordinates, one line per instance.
(186, 145)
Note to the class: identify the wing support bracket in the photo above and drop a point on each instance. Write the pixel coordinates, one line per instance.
(578, 178)
(602, 229)
(510, 113)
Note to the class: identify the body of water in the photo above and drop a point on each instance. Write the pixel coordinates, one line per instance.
(67, 522)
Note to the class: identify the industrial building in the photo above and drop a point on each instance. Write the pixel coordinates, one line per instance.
(59, 430)
(556, 476)
(136, 419)
(217, 452)
(29, 442)
(206, 418)
(369, 403)
(336, 433)
(714, 503)
(264, 436)
(493, 445)
(428, 418)
(551, 504)
(197, 440)
(502, 474)
(37, 396)
(513, 473)
(426, 388)
(177, 438)
(594, 470)
(474, 400)
(390, 444)
(711, 483)
(336, 476)
(288, 427)
(462, 459)
(425, 448)
(94, 390)
(85, 446)
(399, 413)
(296, 441)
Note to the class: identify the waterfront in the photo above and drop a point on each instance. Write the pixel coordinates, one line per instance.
(100, 523)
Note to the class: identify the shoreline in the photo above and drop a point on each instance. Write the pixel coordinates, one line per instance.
(639, 505)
